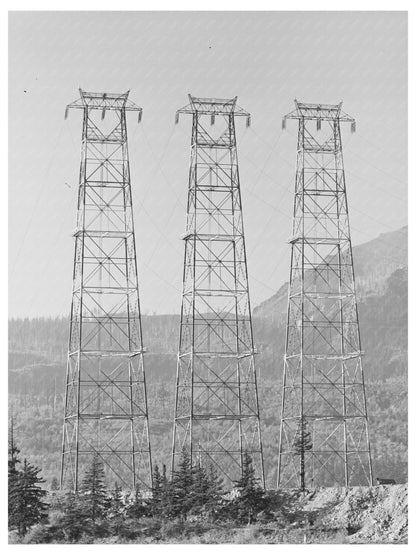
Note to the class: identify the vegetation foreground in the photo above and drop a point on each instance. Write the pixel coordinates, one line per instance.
(192, 507)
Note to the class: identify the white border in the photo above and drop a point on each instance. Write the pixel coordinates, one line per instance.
(259, 5)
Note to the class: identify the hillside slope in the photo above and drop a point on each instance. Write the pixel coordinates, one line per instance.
(374, 262)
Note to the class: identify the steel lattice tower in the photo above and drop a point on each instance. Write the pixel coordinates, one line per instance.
(106, 405)
(324, 430)
(216, 406)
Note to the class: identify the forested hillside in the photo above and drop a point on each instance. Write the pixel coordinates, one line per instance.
(37, 352)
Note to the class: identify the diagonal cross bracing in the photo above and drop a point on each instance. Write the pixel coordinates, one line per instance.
(106, 404)
(216, 408)
(324, 430)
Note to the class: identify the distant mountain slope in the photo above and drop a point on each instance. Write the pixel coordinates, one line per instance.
(383, 327)
(374, 262)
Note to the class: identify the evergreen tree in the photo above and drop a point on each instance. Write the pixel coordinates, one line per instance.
(13, 474)
(74, 522)
(166, 494)
(26, 507)
(137, 508)
(116, 504)
(117, 511)
(93, 491)
(199, 494)
(215, 490)
(13, 450)
(301, 444)
(251, 495)
(181, 487)
(157, 487)
(54, 484)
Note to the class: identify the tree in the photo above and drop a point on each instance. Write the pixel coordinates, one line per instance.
(137, 508)
(13, 474)
(73, 522)
(181, 486)
(215, 489)
(117, 511)
(199, 493)
(54, 484)
(13, 450)
(301, 444)
(166, 495)
(26, 507)
(251, 495)
(157, 488)
(93, 491)
(116, 504)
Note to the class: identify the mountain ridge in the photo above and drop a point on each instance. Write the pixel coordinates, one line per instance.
(374, 262)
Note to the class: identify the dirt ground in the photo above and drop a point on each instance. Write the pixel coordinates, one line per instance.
(377, 514)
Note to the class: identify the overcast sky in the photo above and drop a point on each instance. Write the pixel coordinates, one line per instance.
(267, 59)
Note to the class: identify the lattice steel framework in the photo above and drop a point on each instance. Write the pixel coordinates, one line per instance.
(106, 405)
(324, 430)
(216, 407)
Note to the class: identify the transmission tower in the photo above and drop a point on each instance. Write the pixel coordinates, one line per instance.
(324, 430)
(106, 405)
(216, 406)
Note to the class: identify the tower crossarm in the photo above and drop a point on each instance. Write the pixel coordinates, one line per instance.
(104, 102)
(213, 107)
(319, 112)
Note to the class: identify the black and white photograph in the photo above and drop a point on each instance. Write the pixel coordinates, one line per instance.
(207, 276)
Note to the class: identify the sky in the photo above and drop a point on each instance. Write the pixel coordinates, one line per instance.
(267, 59)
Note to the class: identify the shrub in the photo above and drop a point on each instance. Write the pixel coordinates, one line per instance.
(172, 528)
(44, 533)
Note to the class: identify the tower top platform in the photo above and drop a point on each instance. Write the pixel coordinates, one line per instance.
(327, 112)
(104, 101)
(213, 106)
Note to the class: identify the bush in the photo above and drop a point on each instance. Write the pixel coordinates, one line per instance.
(43, 533)
(172, 528)
(250, 534)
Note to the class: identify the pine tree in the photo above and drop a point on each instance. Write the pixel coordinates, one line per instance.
(13, 475)
(181, 487)
(116, 503)
(13, 450)
(137, 508)
(166, 494)
(215, 490)
(199, 494)
(93, 491)
(156, 491)
(251, 495)
(301, 444)
(117, 510)
(74, 522)
(26, 507)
